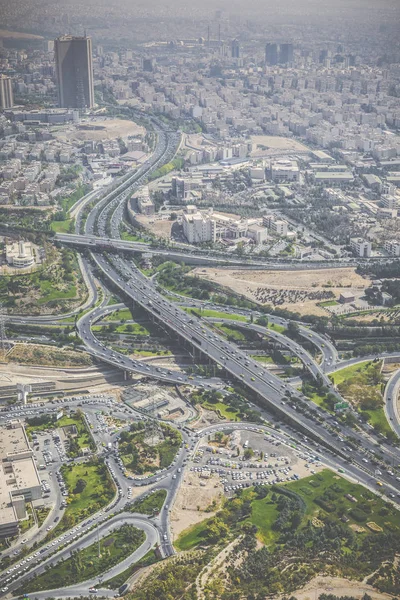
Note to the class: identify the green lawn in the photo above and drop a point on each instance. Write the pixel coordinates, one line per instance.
(191, 537)
(232, 333)
(277, 328)
(49, 293)
(216, 314)
(377, 418)
(119, 315)
(320, 401)
(339, 376)
(129, 237)
(224, 410)
(264, 514)
(263, 359)
(62, 226)
(150, 505)
(132, 329)
(328, 303)
(136, 352)
(86, 564)
(140, 455)
(223, 315)
(126, 329)
(29, 522)
(83, 439)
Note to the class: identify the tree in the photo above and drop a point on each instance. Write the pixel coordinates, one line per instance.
(80, 486)
(248, 453)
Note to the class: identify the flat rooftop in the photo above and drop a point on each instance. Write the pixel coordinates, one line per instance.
(13, 440)
(18, 473)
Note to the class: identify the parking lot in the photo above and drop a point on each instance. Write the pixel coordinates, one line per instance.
(250, 457)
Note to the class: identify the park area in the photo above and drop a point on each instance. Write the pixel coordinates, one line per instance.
(320, 524)
(362, 385)
(324, 497)
(55, 287)
(76, 434)
(145, 449)
(90, 488)
(90, 562)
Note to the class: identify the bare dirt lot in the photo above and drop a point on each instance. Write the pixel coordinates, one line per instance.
(273, 143)
(194, 496)
(338, 586)
(298, 287)
(35, 354)
(100, 129)
(160, 227)
(384, 316)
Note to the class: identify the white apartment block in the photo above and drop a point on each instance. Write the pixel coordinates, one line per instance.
(284, 170)
(361, 247)
(198, 228)
(393, 247)
(389, 202)
(278, 226)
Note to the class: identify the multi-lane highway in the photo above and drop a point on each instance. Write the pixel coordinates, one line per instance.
(108, 240)
(305, 427)
(392, 400)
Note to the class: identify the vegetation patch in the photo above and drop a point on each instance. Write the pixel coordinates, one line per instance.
(78, 435)
(362, 385)
(55, 287)
(232, 407)
(86, 498)
(86, 564)
(150, 505)
(305, 527)
(148, 559)
(144, 449)
(35, 354)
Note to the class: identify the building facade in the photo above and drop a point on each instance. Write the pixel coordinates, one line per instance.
(19, 478)
(74, 70)
(6, 92)
(198, 228)
(361, 247)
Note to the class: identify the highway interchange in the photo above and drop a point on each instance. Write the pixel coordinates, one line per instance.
(312, 429)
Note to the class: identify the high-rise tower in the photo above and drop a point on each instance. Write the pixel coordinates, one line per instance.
(74, 69)
(271, 54)
(6, 93)
(286, 54)
(235, 49)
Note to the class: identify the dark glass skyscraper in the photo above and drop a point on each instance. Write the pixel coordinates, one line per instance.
(271, 54)
(74, 69)
(235, 49)
(285, 54)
